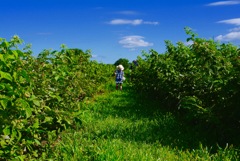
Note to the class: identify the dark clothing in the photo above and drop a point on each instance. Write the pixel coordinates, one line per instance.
(119, 76)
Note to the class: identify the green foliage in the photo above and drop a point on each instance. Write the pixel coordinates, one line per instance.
(201, 80)
(40, 96)
(123, 126)
(124, 62)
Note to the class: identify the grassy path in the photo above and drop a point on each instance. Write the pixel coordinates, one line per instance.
(121, 126)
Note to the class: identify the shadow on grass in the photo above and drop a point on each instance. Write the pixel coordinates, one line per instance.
(148, 122)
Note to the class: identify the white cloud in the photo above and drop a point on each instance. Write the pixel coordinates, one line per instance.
(150, 23)
(134, 41)
(126, 22)
(234, 21)
(131, 22)
(234, 29)
(127, 12)
(223, 3)
(234, 35)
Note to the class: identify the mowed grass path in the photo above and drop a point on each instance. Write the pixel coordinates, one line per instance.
(122, 126)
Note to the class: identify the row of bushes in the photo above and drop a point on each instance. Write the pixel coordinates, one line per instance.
(201, 81)
(40, 95)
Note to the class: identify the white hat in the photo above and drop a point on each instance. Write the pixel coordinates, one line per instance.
(120, 67)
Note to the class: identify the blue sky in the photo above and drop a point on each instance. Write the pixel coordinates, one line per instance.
(114, 29)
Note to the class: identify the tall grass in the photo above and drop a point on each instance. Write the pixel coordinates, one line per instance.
(121, 125)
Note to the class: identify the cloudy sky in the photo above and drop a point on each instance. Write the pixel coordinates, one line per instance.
(114, 29)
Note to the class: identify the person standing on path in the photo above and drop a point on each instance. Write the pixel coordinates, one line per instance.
(119, 77)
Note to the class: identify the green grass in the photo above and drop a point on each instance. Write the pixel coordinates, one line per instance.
(122, 126)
